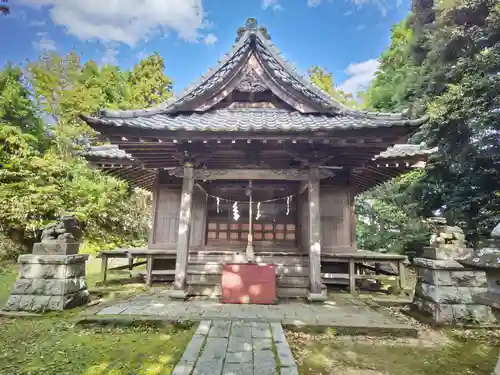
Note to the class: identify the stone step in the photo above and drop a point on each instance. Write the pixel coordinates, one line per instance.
(214, 291)
(215, 279)
(216, 268)
(271, 259)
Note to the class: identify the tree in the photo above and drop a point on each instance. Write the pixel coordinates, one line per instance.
(450, 72)
(324, 80)
(16, 107)
(149, 86)
(4, 9)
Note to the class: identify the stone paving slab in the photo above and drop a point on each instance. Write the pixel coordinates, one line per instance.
(345, 313)
(236, 348)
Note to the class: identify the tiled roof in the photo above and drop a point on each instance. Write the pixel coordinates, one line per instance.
(405, 150)
(107, 152)
(254, 119)
(255, 40)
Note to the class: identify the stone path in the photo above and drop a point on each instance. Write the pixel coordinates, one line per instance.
(342, 313)
(224, 347)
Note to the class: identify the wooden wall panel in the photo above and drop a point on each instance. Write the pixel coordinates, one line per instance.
(198, 220)
(335, 210)
(166, 222)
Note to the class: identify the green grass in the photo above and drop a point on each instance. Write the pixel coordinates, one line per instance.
(328, 356)
(53, 344)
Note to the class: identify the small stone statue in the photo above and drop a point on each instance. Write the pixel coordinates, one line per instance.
(443, 235)
(66, 229)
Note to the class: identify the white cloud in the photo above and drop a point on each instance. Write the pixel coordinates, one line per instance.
(360, 75)
(210, 39)
(109, 57)
(313, 3)
(36, 23)
(271, 4)
(348, 13)
(126, 21)
(382, 5)
(44, 43)
(360, 27)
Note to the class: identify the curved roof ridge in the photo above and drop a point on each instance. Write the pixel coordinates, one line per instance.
(166, 105)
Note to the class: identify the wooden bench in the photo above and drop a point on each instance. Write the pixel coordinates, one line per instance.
(105, 255)
(150, 256)
(132, 254)
(358, 260)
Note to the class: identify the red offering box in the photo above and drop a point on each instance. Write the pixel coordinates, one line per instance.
(248, 283)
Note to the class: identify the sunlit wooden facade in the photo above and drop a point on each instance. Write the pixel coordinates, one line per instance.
(253, 162)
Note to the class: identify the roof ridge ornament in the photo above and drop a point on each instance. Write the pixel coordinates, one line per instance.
(252, 26)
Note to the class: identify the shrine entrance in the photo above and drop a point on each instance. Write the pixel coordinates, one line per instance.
(271, 217)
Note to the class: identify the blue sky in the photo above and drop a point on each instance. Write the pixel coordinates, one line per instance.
(344, 36)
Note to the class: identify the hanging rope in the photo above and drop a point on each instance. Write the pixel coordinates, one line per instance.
(219, 199)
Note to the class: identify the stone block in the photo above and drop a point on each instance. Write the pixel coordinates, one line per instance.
(49, 287)
(450, 314)
(445, 252)
(243, 331)
(215, 347)
(49, 282)
(238, 344)
(193, 349)
(493, 281)
(56, 248)
(238, 369)
(285, 354)
(52, 259)
(316, 297)
(446, 277)
(438, 264)
(278, 333)
(261, 330)
(289, 371)
(447, 294)
(239, 357)
(184, 368)
(220, 329)
(262, 344)
(36, 303)
(209, 366)
(203, 327)
(51, 271)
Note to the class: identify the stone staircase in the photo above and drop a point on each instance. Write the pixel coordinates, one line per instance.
(205, 270)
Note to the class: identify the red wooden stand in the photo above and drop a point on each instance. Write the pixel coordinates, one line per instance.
(248, 283)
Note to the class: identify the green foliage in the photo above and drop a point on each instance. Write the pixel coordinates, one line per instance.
(324, 80)
(148, 84)
(444, 60)
(37, 184)
(387, 217)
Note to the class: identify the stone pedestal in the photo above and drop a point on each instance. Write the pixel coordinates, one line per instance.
(49, 282)
(444, 291)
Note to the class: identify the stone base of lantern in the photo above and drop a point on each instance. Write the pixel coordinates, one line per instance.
(49, 283)
(444, 292)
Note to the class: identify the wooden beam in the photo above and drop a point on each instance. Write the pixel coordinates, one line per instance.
(181, 261)
(314, 235)
(252, 174)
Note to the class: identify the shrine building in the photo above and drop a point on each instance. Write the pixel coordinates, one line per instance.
(253, 164)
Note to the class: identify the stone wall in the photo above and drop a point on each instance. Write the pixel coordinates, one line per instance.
(444, 291)
(49, 282)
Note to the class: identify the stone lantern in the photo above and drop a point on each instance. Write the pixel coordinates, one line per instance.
(488, 260)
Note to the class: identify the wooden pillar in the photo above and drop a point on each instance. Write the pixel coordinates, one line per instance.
(314, 237)
(181, 262)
